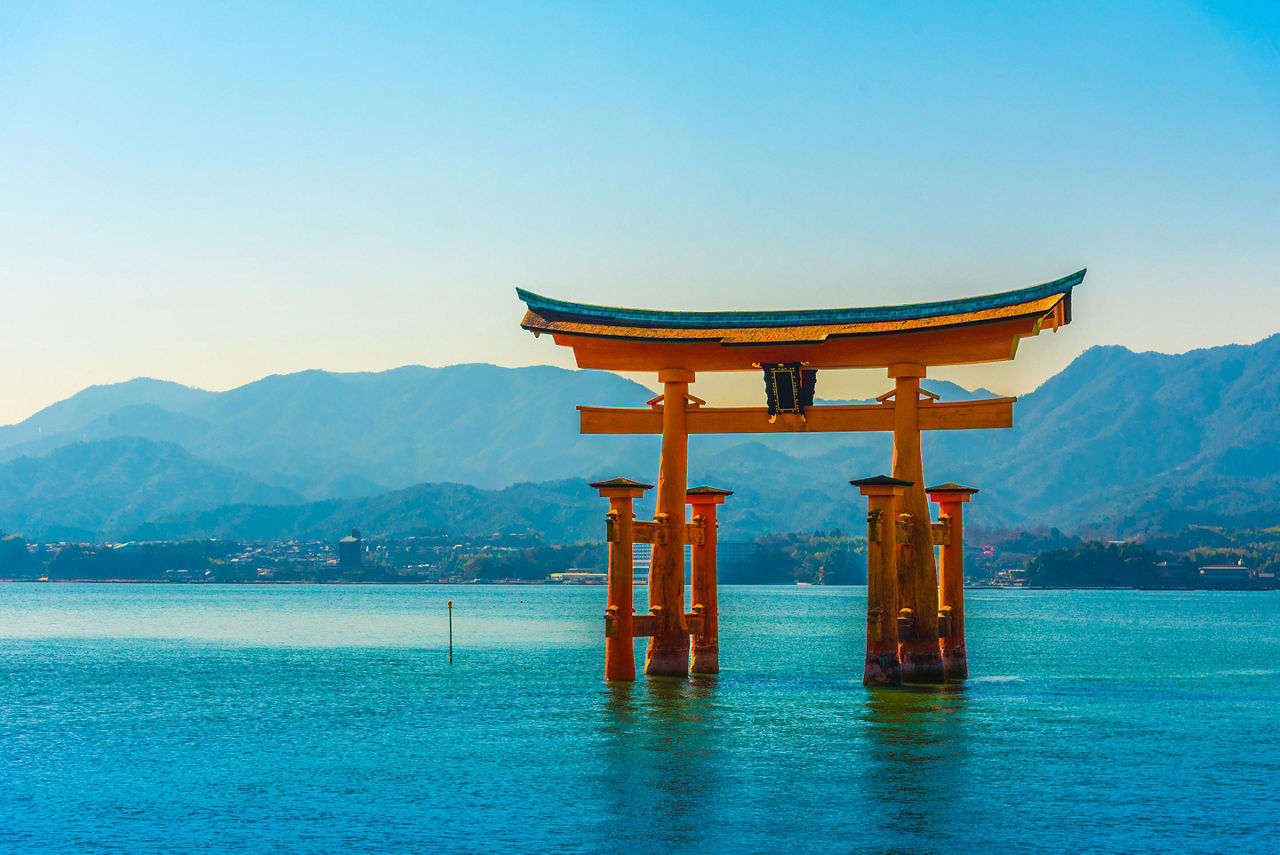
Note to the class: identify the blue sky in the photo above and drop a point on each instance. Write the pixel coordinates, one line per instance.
(211, 194)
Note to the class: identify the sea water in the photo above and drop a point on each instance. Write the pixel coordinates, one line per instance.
(309, 718)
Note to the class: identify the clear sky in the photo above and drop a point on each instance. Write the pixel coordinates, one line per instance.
(210, 193)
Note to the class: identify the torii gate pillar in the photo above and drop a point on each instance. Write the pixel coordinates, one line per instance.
(917, 572)
(882, 666)
(619, 662)
(706, 642)
(668, 651)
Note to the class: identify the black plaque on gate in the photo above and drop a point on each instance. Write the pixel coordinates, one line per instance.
(788, 387)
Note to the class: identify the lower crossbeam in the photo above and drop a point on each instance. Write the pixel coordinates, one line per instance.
(646, 626)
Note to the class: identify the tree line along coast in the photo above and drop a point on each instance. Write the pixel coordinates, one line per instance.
(1195, 557)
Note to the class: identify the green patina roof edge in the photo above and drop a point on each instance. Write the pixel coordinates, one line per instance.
(951, 487)
(704, 490)
(872, 314)
(620, 482)
(881, 481)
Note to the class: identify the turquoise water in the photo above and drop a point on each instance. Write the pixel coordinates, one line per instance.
(176, 718)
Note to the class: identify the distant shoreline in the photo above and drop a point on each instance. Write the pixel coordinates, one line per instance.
(283, 582)
(545, 583)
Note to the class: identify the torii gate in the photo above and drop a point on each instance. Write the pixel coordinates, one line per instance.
(904, 642)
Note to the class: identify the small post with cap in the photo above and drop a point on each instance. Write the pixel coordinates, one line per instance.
(704, 656)
(619, 656)
(951, 499)
(882, 667)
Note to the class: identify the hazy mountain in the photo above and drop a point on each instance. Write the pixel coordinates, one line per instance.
(564, 511)
(1121, 436)
(345, 435)
(87, 489)
(1118, 441)
(67, 420)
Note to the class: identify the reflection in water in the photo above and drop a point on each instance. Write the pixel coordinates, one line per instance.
(894, 761)
(620, 707)
(917, 753)
(661, 750)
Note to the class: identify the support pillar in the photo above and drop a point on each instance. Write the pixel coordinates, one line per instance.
(917, 572)
(882, 666)
(668, 651)
(619, 655)
(951, 499)
(705, 658)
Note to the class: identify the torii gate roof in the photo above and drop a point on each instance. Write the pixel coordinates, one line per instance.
(948, 332)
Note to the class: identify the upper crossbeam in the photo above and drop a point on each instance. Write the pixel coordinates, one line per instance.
(824, 418)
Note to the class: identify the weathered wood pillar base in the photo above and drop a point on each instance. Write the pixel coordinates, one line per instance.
(955, 662)
(667, 656)
(706, 659)
(620, 664)
(882, 667)
(921, 662)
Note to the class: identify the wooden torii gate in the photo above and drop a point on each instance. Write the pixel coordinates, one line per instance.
(790, 347)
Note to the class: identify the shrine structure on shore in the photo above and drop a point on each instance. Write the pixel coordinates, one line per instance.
(915, 622)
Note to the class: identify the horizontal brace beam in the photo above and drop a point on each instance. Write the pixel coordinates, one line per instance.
(824, 418)
(645, 626)
(941, 532)
(644, 531)
(649, 532)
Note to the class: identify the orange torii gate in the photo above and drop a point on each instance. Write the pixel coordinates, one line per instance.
(909, 639)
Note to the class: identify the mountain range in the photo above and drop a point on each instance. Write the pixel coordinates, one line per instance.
(1117, 442)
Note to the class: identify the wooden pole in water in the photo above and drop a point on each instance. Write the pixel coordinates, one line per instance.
(917, 572)
(619, 656)
(668, 651)
(705, 658)
(951, 499)
(882, 666)
(451, 632)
